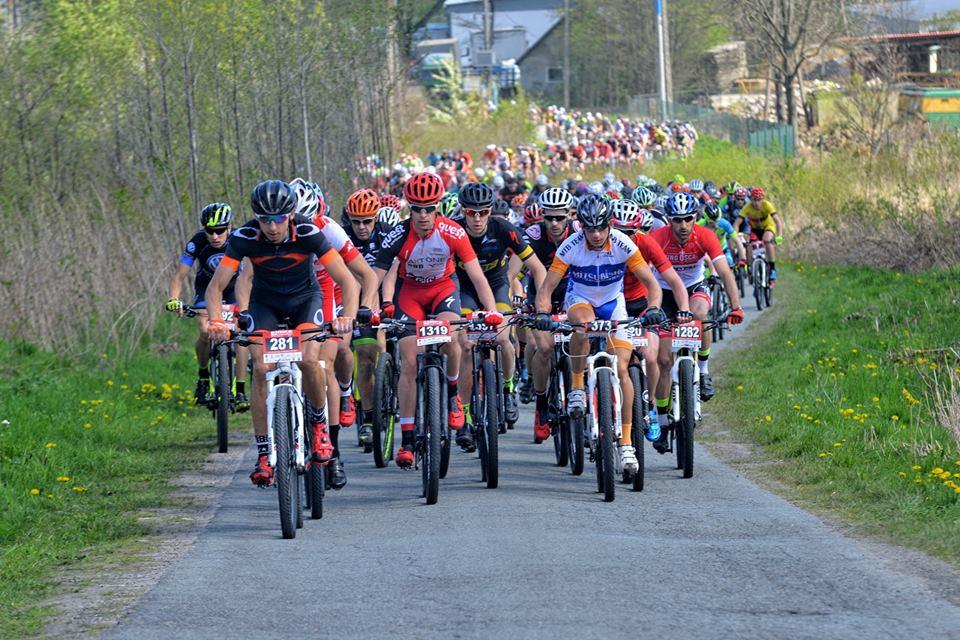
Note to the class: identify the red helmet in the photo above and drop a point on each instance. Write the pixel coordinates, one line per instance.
(532, 213)
(390, 200)
(756, 193)
(423, 189)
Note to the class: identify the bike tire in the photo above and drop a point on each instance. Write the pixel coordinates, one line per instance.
(222, 390)
(384, 410)
(433, 426)
(768, 293)
(314, 482)
(561, 430)
(740, 278)
(721, 309)
(491, 424)
(285, 473)
(445, 439)
(688, 416)
(639, 418)
(608, 448)
(758, 284)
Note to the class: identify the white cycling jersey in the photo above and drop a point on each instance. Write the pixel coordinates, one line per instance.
(596, 275)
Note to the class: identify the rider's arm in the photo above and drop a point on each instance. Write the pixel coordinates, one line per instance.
(338, 270)
(679, 291)
(545, 291)
(176, 282)
(244, 285)
(645, 275)
(480, 284)
(537, 271)
(777, 221)
(729, 283)
(367, 279)
(221, 280)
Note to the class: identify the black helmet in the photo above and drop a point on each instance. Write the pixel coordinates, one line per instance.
(476, 195)
(593, 211)
(273, 198)
(711, 211)
(501, 208)
(216, 214)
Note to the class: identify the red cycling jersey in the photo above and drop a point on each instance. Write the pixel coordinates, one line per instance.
(633, 289)
(687, 260)
(426, 260)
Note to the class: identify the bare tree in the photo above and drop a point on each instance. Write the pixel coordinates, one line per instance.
(865, 107)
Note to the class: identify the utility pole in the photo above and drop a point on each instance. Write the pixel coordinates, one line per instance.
(566, 54)
(488, 45)
(661, 60)
(668, 64)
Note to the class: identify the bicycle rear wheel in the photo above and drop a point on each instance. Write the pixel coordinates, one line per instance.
(758, 282)
(687, 417)
(384, 410)
(491, 423)
(222, 389)
(286, 472)
(639, 418)
(561, 428)
(606, 460)
(432, 427)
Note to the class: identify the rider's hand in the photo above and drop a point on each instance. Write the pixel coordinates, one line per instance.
(174, 304)
(364, 315)
(736, 316)
(493, 318)
(684, 316)
(218, 330)
(742, 263)
(519, 301)
(387, 310)
(778, 239)
(652, 316)
(343, 325)
(244, 321)
(543, 322)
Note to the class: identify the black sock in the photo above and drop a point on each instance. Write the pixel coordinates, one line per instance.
(451, 391)
(541, 401)
(368, 416)
(241, 386)
(406, 439)
(335, 439)
(318, 415)
(203, 372)
(772, 264)
(263, 446)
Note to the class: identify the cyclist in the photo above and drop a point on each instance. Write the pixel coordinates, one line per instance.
(636, 223)
(205, 250)
(732, 204)
(685, 244)
(545, 237)
(765, 224)
(367, 232)
(284, 288)
(492, 239)
(712, 219)
(424, 247)
(597, 257)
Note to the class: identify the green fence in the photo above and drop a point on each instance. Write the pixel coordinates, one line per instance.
(760, 135)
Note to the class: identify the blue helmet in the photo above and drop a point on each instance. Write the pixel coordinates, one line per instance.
(681, 204)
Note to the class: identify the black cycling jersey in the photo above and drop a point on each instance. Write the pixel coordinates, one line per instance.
(285, 269)
(200, 253)
(493, 251)
(371, 247)
(545, 249)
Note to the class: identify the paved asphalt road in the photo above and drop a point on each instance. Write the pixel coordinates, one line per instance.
(541, 557)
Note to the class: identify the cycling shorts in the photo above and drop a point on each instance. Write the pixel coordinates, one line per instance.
(364, 335)
(416, 301)
(470, 302)
(615, 309)
(557, 298)
(670, 308)
(297, 310)
(635, 308)
(229, 297)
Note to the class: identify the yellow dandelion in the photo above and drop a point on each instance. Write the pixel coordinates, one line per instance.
(837, 444)
(79, 489)
(768, 418)
(894, 417)
(902, 474)
(109, 383)
(51, 445)
(817, 421)
(937, 471)
(739, 387)
(875, 399)
(34, 492)
(916, 467)
(63, 478)
(822, 454)
(87, 425)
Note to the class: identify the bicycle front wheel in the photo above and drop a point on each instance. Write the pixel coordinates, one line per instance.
(432, 428)
(491, 423)
(222, 389)
(639, 418)
(561, 430)
(286, 472)
(606, 460)
(687, 417)
(384, 410)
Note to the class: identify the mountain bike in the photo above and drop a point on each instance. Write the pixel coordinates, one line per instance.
(642, 404)
(286, 420)
(600, 426)
(760, 275)
(685, 413)
(719, 306)
(386, 405)
(223, 360)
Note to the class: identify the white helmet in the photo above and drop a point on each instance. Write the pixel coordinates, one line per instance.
(479, 173)
(307, 201)
(542, 180)
(388, 216)
(498, 182)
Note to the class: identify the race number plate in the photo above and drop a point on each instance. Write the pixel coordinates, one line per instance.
(601, 328)
(229, 314)
(480, 331)
(282, 346)
(687, 336)
(433, 332)
(637, 337)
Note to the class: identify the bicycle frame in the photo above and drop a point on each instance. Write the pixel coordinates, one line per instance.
(595, 363)
(683, 354)
(287, 374)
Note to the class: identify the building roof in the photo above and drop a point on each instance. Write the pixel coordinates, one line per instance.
(907, 37)
(546, 34)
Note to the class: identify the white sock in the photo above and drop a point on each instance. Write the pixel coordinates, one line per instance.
(704, 366)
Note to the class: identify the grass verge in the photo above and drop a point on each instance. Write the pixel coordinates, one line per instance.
(854, 393)
(83, 448)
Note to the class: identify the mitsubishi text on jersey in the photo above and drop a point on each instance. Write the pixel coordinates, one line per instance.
(597, 274)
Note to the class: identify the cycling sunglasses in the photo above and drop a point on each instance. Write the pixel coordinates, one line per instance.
(477, 213)
(430, 208)
(683, 219)
(216, 231)
(360, 222)
(277, 219)
(587, 229)
(555, 218)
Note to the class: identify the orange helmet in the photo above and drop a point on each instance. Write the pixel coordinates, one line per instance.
(518, 201)
(363, 203)
(676, 187)
(423, 189)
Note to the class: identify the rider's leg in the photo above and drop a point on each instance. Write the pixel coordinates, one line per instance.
(466, 369)
(407, 388)
(258, 399)
(768, 242)
(579, 344)
(623, 351)
(202, 346)
(243, 357)
(367, 355)
(330, 391)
